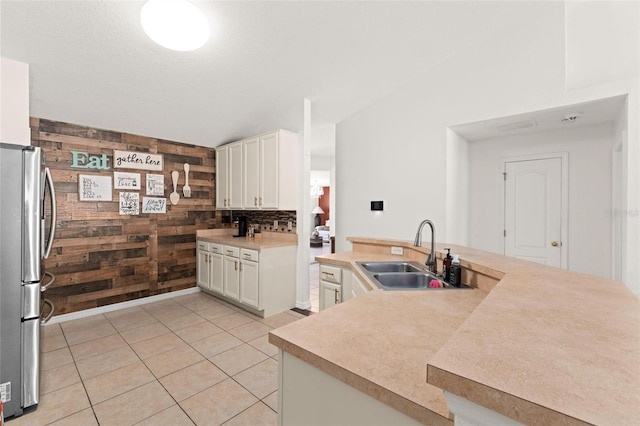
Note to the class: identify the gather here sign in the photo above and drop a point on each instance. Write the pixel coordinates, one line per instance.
(137, 160)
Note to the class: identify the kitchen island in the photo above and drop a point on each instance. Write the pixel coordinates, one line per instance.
(537, 344)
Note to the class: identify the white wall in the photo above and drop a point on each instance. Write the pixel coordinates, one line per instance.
(395, 150)
(14, 102)
(589, 233)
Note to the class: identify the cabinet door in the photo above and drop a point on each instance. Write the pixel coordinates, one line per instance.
(249, 285)
(330, 294)
(235, 175)
(251, 163)
(216, 271)
(269, 169)
(232, 277)
(222, 178)
(202, 269)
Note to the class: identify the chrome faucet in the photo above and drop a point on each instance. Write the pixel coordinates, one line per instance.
(431, 260)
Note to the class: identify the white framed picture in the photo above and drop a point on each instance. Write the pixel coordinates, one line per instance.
(137, 160)
(94, 188)
(154, 205)
(124, 180)
(155, 184)
(129, 203)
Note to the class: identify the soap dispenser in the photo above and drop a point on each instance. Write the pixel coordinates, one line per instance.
(456, 272)
(446, 266)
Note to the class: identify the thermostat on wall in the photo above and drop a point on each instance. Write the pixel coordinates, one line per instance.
(377, 205)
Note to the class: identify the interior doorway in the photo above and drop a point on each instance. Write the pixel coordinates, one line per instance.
(535, 209)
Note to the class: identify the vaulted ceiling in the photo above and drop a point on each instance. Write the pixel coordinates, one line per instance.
(91, 63)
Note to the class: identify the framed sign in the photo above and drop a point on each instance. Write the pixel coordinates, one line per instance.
(123, 180)
(94, 188)
(154, 205)
(137, 160)
(129, 203)
(155, 184)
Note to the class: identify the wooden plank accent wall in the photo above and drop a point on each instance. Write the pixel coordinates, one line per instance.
(100, 257)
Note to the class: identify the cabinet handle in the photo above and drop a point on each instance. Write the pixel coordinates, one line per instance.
(260, 203)
(206, 258)
(236, 263)
(229, 251)
(247, 256)
(240, 266)
(328, 273)
(255, 201)
(335, 290)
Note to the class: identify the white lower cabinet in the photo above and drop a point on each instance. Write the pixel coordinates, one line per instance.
(357, 288)
(249, 277)
(216, 275)
(334, 285)
(261, 281)
(232, 277)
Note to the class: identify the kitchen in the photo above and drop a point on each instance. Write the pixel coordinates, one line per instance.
(501, 70)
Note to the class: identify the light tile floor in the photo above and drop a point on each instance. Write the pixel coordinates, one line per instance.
(192, 359)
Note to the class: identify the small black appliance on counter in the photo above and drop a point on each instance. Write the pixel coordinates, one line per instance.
(242, 226)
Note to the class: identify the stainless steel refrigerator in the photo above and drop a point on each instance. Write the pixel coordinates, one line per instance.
(27, 228)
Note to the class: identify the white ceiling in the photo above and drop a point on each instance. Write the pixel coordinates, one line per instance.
(588, 113)
(91, 63)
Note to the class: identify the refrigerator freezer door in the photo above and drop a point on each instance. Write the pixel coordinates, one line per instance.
(31, 362)
(32, 236)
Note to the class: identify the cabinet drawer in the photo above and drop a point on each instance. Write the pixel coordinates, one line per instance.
(203, 245)
(216, 248)
(331, 274)
(246, 254)
(231, 251)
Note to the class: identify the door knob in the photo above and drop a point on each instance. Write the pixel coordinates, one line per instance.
(555, 243)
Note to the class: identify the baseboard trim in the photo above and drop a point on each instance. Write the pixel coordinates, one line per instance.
(122, 305)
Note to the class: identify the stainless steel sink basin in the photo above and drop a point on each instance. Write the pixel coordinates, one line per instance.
(390, 267)
(402, 275)
(407, 281)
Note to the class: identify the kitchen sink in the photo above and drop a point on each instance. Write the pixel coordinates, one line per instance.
(402, 275)
(391, 266)
(405, 281)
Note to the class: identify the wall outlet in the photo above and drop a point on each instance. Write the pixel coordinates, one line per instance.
(275, 224)
(290, 225)
(397, 250)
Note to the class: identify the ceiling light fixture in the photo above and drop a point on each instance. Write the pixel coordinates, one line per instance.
(175, 24)
(316, 191)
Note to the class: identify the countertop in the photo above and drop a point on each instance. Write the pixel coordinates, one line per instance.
(263, 241)
(542, 346)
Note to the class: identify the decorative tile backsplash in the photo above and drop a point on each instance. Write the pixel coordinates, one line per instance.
(262, 218)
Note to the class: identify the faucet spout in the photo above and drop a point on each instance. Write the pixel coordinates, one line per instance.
(431, 260)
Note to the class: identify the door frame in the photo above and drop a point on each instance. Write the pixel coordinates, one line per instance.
(564, 204)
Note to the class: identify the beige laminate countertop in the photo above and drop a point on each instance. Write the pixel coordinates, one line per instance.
(265, 240)
(545, 346)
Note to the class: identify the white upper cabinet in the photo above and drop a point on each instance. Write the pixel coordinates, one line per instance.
(229, 176)
(268, 173)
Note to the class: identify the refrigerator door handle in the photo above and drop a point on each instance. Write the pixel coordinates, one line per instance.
(53, 279)
(43, 321)
(54, 214)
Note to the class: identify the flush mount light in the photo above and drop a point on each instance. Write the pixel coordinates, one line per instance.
(175, 24)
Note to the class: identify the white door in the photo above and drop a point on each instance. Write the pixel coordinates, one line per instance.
(222, 178)
(203, 269)
(249, 285)
(234, 163)
(269, 170)
(216, 273)
(251, 158)
(232, 277)
(533, 211)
